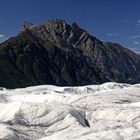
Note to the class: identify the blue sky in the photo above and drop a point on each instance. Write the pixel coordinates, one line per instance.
(108, 20)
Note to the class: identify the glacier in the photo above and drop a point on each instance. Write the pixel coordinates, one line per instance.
(110, 111)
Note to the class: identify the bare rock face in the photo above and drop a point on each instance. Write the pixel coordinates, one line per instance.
(64, 35)
(58, 53)
(26, 25)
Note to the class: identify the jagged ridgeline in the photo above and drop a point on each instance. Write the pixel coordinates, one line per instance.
(66, 55)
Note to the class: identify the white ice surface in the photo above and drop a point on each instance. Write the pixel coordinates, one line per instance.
(110, 111)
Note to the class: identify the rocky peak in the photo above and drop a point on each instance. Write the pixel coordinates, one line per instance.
(74, 25)
(55, 23)
(62, 34)
(26, 25)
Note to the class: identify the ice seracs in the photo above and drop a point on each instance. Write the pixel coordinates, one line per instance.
(107, 111)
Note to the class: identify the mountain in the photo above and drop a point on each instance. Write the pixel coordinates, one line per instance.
(61, 54)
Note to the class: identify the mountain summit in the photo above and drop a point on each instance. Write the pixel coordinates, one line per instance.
(61, 54)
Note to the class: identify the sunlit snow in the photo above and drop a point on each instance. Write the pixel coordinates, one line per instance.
(110, 111)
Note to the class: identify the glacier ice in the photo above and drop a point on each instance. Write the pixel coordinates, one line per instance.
(110, 111)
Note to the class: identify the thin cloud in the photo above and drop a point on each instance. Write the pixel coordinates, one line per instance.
(112, 34)
(2, 38)
(135, 37)
(136, 43)
(138, 22)
(136, 50)
(124, 20)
